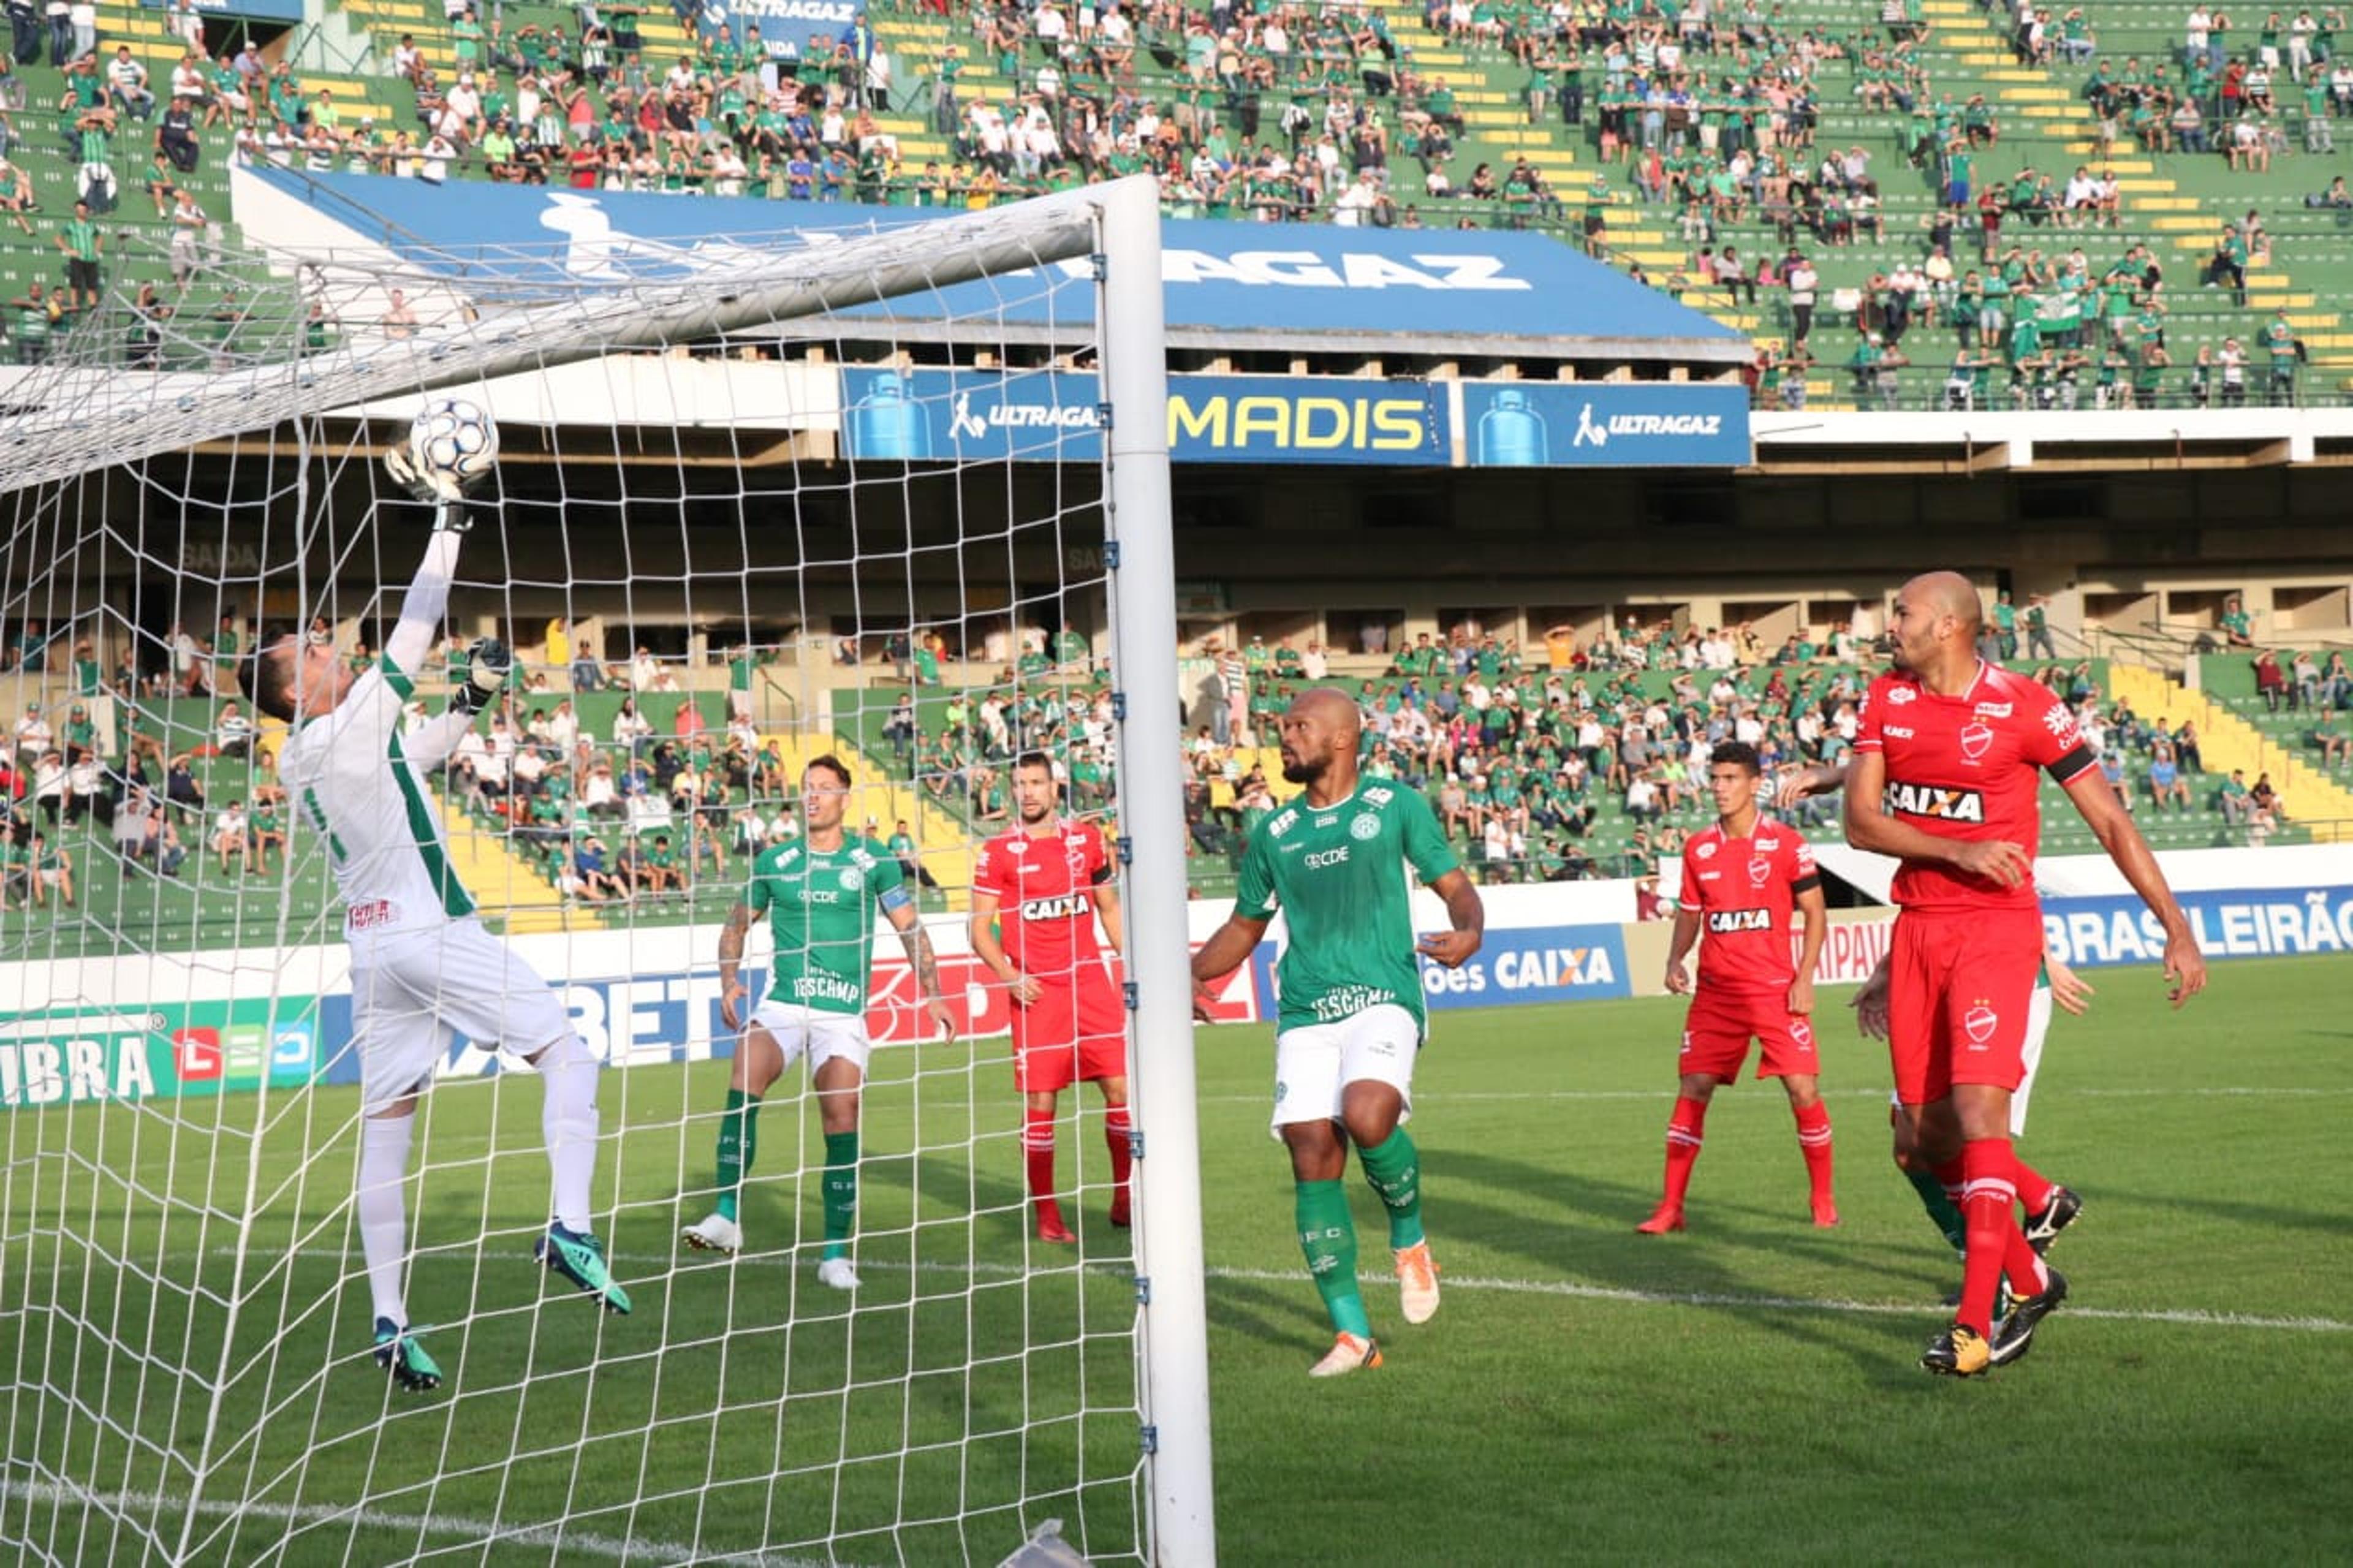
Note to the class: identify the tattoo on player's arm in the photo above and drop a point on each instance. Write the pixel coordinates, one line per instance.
(731, 937)
(927, 964)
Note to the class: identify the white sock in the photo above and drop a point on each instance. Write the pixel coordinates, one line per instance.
(383, 1209)
(568, 1121)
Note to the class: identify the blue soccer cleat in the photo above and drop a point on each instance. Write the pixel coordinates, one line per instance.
(398, 1352)
(581, 1259)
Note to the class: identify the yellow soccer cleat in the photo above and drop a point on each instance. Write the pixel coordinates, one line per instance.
(1958, 1351)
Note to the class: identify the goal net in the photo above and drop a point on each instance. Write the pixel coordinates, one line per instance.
(891, 495)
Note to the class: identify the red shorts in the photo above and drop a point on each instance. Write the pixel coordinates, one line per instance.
(1958, 986)
(1074, 1033)
(1720, 1025)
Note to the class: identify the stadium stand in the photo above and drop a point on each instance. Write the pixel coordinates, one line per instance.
(600, 801)
(1699, 144)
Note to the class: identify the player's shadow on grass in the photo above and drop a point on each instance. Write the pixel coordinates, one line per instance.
(1596, 1247)
(1606, 1210)
(2245, 1214)
(1290, 1316)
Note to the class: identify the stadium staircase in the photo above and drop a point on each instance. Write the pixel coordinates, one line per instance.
(2185, 199)
(506, 886)
(2237, 731)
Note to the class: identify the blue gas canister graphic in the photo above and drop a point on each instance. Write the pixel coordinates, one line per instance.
(888, 423)
(1511, 435)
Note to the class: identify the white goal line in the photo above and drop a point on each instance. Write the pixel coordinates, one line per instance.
(572, 1542)
(1565, 1287)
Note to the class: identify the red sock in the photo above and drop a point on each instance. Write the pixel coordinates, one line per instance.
(1038, 1153)
(1683, 1144)
(1116, 1128)
(1988, 1204)
(2034, 1188)
(2026, 1272)
(1814, 1140)
(1948, 1177)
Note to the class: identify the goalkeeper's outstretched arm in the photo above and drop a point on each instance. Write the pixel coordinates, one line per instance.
(428, 599)
(430, 744)
(488, 664)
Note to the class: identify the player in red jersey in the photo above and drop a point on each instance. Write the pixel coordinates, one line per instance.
(1742, 878)
(1048, 881)
(1944, 779)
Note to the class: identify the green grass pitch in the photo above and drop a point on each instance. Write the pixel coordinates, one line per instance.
(1745, 1392)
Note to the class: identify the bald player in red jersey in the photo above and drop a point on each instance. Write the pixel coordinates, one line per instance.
(1741, 880)
(1944, 778)
(1046, 882)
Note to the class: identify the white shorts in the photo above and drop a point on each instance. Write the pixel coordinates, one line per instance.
(2029, 1053)
(412, 991)
(824, 1036)
(1314, 1065)
(2039, 1007)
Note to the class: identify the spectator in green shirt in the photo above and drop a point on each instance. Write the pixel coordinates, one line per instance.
(2036, 619)
(2233, 798)
(38, 314)
(84, 247)
(2284, 348)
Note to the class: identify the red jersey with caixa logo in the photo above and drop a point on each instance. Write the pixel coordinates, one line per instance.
(1044, 889)
(1964, 767)
(1744, 890)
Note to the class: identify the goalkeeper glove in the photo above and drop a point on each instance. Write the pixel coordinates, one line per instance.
(437, 490)
(488, 664)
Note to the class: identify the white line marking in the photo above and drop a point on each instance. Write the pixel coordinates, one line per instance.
(1567, 1287)
(1808, 1304)
(573, 1543)
(2185, 1091)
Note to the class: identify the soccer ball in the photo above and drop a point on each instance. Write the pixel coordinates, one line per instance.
(454, 440)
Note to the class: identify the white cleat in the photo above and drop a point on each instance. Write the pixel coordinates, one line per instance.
(713, 1233)
(1417, 1282)
(838, 1273)
(1347, 1354)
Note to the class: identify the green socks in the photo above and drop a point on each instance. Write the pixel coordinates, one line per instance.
(841, 1191)
(1394, 1170)
(1328, 1237)
(1941, 1212)
(739, 1135)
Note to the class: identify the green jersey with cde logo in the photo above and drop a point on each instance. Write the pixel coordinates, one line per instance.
(821, 906)
(1338, 874)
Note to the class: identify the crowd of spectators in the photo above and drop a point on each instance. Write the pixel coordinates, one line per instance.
(1709, 111)
(104, 108)
(1589, 761)
(1596, 764)
(2246, 94)
(1583, 758)
(1287, 111)
(2038, 322)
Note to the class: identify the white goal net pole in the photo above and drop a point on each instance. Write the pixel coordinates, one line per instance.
(1143, 598)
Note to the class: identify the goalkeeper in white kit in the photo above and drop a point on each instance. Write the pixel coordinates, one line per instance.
(422, 965)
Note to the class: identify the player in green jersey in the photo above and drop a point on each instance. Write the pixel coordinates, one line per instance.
(1352, 1018)
(820, 893)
